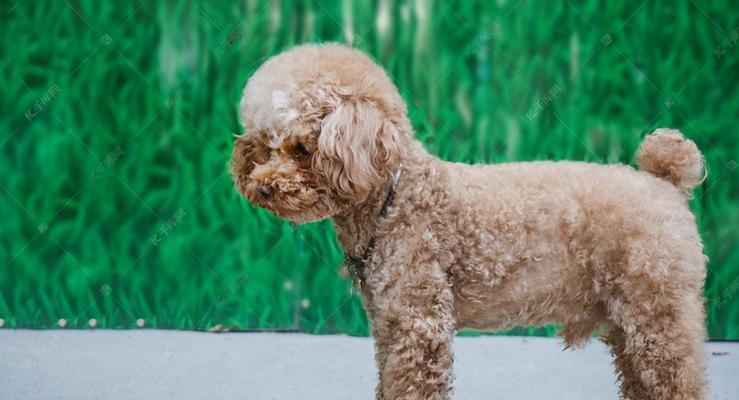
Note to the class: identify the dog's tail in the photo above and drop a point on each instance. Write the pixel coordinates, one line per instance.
(666, 153)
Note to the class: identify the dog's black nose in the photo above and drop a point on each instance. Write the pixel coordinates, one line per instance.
(265, 191)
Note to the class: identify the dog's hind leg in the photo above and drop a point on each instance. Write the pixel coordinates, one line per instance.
(659, 349)
(629, 382)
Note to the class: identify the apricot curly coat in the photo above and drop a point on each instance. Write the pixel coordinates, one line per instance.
(591, 247)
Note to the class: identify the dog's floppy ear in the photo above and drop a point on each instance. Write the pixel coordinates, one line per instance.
(357, 148)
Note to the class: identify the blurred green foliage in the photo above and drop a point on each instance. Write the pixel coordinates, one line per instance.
(117, 123)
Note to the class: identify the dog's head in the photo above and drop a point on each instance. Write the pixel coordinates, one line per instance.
(325, 127)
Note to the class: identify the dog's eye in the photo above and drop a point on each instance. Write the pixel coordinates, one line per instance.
(301, 150)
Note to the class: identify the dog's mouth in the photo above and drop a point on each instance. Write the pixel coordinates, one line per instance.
(298, 204)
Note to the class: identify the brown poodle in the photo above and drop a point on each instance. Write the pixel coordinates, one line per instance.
(435, 246)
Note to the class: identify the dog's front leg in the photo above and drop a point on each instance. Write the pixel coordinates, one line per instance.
(413, 327)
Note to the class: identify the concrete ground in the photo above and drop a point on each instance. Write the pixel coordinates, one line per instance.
(151, 364)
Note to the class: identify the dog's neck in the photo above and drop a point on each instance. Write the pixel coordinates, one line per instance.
(358, 224)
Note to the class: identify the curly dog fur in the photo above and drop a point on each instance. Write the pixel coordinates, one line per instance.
(590, 247)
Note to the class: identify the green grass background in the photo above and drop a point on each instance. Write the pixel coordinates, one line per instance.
(117, 122)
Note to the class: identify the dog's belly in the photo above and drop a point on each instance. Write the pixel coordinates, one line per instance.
(539, 292)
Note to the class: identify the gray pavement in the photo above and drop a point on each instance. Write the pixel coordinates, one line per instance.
(153, 364)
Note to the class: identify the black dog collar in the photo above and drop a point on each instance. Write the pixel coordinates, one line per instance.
(356, 266)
